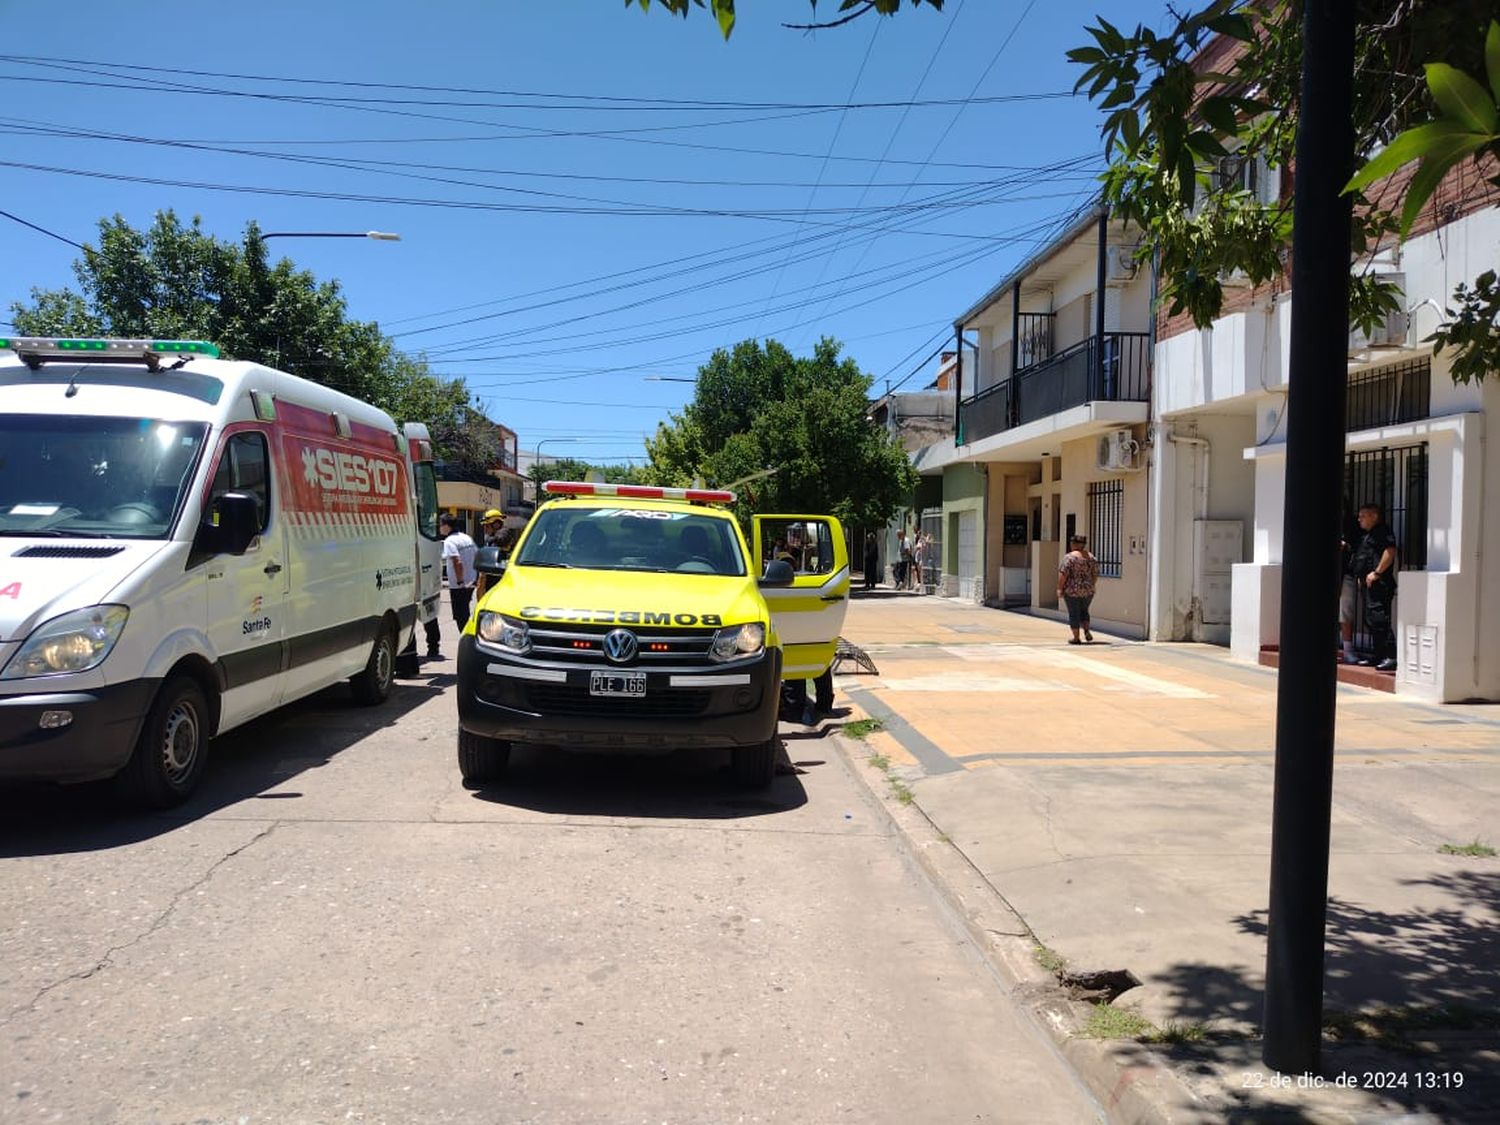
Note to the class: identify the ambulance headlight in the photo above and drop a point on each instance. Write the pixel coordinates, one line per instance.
(738, 641)
(74, 642)
(502, 632)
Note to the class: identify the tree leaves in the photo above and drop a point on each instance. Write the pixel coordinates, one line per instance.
(758, 406)
(1461, 98)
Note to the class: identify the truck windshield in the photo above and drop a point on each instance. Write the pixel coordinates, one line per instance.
(94, 477)
(633, 539)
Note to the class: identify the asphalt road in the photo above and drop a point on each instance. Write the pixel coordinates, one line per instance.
(335, 929)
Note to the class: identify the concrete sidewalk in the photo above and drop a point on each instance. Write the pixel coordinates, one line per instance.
(1117, 798)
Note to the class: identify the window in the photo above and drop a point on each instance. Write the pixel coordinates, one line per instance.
(1390, 395)
(1106, 513)
(807, 545)
(245, 467)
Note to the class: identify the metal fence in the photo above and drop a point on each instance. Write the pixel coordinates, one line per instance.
(1106, 515)
(1074, 376)
(1387, 396)
(1396, 479)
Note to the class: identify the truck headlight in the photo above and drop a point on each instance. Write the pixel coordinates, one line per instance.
(738, 640)
(74, 642)
(513, 636)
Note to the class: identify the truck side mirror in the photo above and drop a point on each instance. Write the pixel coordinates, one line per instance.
(779, 572)
(233, 527)
(487, 560)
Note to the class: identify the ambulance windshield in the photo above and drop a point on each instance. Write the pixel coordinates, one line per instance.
(83, 477)
(652, 539)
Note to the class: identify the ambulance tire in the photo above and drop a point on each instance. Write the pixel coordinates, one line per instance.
(481, 759)
(373, 685)
(754, 767)
(169, 755)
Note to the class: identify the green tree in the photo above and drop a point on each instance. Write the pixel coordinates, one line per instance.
(177, 281)
(571, 468)
(723, 10)
(760, 407)
(1172, 127)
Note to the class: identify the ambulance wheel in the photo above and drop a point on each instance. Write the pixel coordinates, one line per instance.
(168, 759)
(755, 766)
(481, 759)
(373, 685)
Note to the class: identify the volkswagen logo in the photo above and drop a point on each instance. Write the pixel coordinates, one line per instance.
(620, 646)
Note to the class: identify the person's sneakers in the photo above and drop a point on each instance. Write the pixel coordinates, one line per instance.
(433, 654)
(832, 712)
(1364, 662)
(809, 716)
(1386, 665)
(1088, 638)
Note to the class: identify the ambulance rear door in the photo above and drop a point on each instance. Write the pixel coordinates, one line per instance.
(809, 614)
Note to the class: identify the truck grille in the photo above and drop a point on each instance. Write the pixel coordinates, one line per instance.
(564, 699)
(584, 644)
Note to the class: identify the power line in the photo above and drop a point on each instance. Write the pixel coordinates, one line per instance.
(41, 230)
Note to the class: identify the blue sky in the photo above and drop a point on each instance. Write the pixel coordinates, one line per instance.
(568, 225)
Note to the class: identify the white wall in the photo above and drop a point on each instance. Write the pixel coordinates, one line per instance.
(1179, 473)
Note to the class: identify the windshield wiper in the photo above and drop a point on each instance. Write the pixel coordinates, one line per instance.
(553, 565)
(51, 533)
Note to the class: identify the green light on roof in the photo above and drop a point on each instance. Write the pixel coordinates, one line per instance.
(4, 343)
(83, 345)
(195, 347)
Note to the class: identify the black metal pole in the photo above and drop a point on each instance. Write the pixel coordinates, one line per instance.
(1307, 676)
(958, 386)
(1098, 373)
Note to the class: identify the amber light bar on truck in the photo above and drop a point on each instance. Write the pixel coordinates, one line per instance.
(639, 492)
(37, 350)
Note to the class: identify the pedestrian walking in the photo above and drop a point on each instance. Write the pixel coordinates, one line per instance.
(906, 561)
(872, 560)
(1076, 578)
(919, 561)
(458, 558)
(1372, 565)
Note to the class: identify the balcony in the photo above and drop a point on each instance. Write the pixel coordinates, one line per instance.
(1070, 378)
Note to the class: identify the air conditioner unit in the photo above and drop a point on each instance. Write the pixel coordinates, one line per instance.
(1123, 265)
(1390, 333)
(1117, 451)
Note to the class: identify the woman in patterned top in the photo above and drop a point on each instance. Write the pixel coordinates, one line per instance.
(1075, 585)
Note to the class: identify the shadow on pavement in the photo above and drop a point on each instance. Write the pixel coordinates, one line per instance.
(41, 819)
(1414, 995)
(687, 785)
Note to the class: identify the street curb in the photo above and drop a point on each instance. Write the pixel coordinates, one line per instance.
(1139, 1091)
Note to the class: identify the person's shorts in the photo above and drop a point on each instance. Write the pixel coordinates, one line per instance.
(1348, 599)
(1078, 611)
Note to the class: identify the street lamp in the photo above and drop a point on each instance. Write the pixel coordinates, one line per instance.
(377, 235)
(665, 379)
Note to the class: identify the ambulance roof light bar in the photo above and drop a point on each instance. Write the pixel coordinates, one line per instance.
(639, 492)
(37, 350)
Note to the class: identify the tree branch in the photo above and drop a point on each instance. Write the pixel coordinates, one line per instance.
(868, 7)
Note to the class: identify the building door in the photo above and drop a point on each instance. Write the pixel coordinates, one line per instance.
(970, 581)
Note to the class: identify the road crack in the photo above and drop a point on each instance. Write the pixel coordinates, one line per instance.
(156, 924)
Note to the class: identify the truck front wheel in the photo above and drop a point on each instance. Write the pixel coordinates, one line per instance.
(168, 759)
(481, 759)
(755, 766)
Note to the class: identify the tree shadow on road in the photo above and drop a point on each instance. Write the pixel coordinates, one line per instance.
(688, 785)
(1410, 994)
(40, 819)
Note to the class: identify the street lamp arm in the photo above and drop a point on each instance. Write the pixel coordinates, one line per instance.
(377, 235)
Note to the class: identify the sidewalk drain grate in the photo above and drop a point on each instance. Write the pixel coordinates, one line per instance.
(1102, 985)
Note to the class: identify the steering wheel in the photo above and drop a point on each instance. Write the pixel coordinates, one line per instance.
(135, 512)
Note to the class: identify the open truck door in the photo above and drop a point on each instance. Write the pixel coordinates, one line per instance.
(808, 614)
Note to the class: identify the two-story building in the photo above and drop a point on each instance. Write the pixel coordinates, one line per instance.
(1415, 445)
(468, 495)
(1052, 397)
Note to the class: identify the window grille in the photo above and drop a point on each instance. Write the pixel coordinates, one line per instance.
(1106, 514)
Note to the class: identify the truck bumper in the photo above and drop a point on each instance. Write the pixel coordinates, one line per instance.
(97, 742)
(549, 704)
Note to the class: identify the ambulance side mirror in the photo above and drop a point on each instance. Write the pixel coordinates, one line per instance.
(233, 527)
(779, 572)
(487, 560)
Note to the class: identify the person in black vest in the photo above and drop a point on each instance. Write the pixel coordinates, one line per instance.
(1372, 564)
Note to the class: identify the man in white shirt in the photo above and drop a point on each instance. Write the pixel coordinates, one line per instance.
(458, 558)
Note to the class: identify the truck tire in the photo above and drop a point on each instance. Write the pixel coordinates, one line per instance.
(373, 685)
(755, 766)
(168, 759)
(481, 759)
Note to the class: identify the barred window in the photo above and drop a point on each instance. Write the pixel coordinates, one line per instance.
(1106, 514)
(1387, 396)
(1396, 479)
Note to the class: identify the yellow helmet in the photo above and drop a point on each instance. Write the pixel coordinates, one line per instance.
(493, 514)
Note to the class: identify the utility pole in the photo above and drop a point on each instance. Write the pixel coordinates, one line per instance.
(1307, 676)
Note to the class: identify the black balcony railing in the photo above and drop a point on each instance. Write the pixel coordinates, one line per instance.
(1071, 378)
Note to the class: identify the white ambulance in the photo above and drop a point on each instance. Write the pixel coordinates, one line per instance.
(187, 543)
